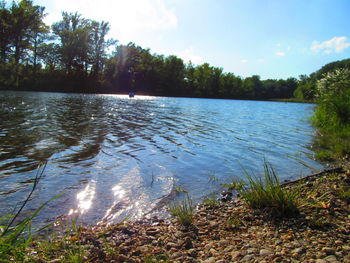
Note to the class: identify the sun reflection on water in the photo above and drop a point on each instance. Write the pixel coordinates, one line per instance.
(122, 202)
(85, 199)
(118, 191)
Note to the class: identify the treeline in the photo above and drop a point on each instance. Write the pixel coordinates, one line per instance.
(74, 55)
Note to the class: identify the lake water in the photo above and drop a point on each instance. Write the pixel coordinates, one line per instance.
(115, 157)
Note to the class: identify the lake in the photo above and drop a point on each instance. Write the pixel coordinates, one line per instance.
(114, 157)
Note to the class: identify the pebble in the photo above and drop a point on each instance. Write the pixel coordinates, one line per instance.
(170, 245)
(210, 240)
(339, 242)
(328, 250)
(331, 259)
(247, 258)
(252, 251)
(209, 246)
(235, 255)
(299, 250)
(210, 260)
(212, 251)
(265, 252)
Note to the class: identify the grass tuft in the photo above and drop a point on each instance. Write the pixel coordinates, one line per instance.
(267, 193)
(234, 222)
(183, 211)
(15, 234)
(211, 201)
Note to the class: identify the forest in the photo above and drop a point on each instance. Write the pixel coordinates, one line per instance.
(75, 55)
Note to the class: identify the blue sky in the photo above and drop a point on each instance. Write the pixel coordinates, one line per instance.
(270, 38)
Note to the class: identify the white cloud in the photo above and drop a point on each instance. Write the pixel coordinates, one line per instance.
(336, 44)
(127, 18)
(189, 54)
(280, 53)
(244, 61)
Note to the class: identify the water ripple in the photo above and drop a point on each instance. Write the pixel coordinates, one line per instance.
(116, 157)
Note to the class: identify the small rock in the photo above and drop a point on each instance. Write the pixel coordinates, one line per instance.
(331, 258)
(144, 249)
(213, 224)
(223, 243)
(265, 252)
(328, 250)
(212, 251)
(346, 248)
(289, 245)
(252, 251)
(152, 231)
(320, 261)
(339, 254)
(176, 255)
(209, 246)
(210, 260)
(299, 250)
(192, 252)
(229, 249)
(278, 242)
(338, 242)
(122, 258)
(170, 245)
(235, 255)
(247, 258)
(201, 232)
(320, 255)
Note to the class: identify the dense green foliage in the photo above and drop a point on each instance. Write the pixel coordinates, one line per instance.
(332, 114)
(73, 55)
(306, 89)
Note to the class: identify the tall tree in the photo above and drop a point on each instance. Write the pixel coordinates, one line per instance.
(73, 32)
(173, 76)
(98, 45)
(5, 32)
(24, 22)
(39, 35)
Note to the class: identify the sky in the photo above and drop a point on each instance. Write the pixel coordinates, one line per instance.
(271, 38)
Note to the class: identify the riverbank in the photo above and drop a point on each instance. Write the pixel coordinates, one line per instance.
(222, 232)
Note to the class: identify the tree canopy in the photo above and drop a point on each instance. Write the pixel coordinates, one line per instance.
(75, 55)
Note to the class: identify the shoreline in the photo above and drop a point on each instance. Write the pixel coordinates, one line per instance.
(225, 232)
(289, 100)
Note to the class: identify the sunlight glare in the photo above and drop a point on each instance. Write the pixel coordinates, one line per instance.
(127, 18)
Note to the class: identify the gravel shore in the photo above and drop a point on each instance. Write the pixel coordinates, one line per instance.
(227, 232)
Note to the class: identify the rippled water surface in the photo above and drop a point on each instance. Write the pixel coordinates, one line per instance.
(115, 157)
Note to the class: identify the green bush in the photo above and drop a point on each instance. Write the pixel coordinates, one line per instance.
(332, 113)
(333, 100)
(267, 193)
